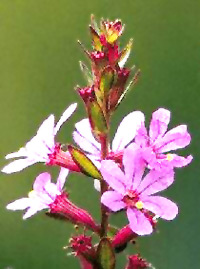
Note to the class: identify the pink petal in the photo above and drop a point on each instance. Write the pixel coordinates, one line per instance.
(41, 181)
(45, 132)
(19, 204)
(127, 130)
(134, 166)
(20, 153)
(176, 138)
(161, 206)
(179, 161)
(65, 116)
(113, 175)
(113, 200)
(139, 224)
(141, 137)
(84, 138)
(51, 191)
(17, 165)
(159, 123)
(33, 210)
(150, 157)
(38, 149)
(155, 181)
(62, 178)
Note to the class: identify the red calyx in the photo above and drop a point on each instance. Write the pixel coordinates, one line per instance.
(87, 93)
(63, 159)
(66, 209)
(136, 262)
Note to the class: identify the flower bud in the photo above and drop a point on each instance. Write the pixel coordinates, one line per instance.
(136, 262)
(111, 30)
(87, 94)
(97, 119)
(118, 88)
(122, 237)
(83, 249)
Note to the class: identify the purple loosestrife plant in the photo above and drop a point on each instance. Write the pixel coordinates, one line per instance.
(130, 171)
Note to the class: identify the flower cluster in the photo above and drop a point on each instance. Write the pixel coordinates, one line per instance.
(129, 172)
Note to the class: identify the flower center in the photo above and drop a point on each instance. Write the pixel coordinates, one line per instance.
(132, 199)
(32, 194)
(169, 157)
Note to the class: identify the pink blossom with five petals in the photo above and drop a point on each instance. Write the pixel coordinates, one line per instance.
(160, 141)
(135, 193)
(41, 146)
(42, 196)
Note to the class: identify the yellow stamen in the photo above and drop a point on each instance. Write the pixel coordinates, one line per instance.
(139, 205)
(112, 37)
(32, 194)
(169, 157)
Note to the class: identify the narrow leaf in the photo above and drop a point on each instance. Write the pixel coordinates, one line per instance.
(94, 24)
(83, 48)
(95, 39)
(105, 254)
(86, 72)
(132, 83)
(125, 54)
(84, 163)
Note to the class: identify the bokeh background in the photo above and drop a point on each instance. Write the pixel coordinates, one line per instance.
(38, 71)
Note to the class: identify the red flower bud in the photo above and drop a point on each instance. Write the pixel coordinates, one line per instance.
(123, 236)
(87, 94)
(82, 248)
(136, 262)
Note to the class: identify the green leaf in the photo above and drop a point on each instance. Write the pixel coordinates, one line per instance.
(84, 163)
(86, 72)
(97, 119)
(105, 254)
(125, 54)
(132, 83)
(106, 80)
(95, 39)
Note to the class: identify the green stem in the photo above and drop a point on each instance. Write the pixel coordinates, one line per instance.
(104, 187)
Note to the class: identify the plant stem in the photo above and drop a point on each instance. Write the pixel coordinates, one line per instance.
(104, 187)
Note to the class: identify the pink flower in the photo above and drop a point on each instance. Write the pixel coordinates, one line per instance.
(44, 193)
(134, 194)
(41, 147)
(48, 195)
(159, 141)
(124, 135)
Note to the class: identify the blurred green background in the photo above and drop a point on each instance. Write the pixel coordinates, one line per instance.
(38, 71)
